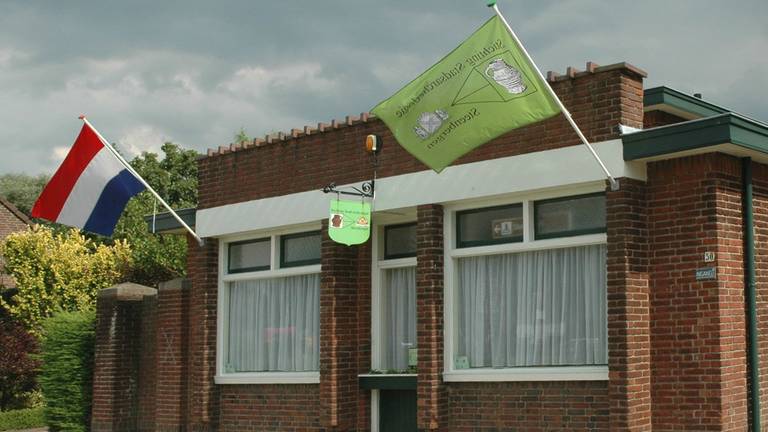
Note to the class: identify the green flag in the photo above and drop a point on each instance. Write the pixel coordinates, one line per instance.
(480, 90)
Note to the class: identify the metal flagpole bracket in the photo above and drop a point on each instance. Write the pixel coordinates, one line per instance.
(366, 189)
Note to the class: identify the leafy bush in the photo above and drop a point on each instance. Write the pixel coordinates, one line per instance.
(18, 368)
(59, 271)
(22, 419)
(66, 376)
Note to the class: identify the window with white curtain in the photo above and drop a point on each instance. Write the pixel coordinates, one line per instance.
(397, 297)
(539, 302)
(270, 306)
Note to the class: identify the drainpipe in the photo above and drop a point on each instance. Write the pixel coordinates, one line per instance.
(750, 295)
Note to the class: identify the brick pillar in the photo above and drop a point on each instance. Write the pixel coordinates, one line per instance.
(338, 335)
(147, 370)
(117, 357)
(171, 351)
(203, 394)
(629, 345)
(431, 393)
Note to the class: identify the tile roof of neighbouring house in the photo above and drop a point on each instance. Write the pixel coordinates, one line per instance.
(12, 208)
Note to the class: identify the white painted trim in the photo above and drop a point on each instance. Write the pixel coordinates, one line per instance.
(387, 375)
(549, 169)
(269, 378)
(222, 303)
(569, 373)
(553, 243)
(566, 373)
(375, 410)
(377, 265)
(268, 274)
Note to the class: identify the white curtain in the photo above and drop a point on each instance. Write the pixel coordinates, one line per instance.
(542, 308)
(274, 324)
(398, 316)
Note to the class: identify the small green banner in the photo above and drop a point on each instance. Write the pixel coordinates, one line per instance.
(349, 222)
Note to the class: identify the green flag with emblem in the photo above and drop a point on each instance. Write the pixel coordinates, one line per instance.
(480, 90)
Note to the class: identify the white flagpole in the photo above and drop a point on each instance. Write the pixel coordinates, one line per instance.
(614, 182)
(130, 169)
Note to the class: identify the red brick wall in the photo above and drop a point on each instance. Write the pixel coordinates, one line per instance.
(598, 103)
(202, 393)
(628, 307)
(760, 208)
(147, 370)
(431, 391)
(529, 406)
(657, 118)
(267, 407)
(697, 328)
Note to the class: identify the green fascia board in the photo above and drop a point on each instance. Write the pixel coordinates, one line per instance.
(388, 382)
(681, 101)
(696, 134)
(165, 222)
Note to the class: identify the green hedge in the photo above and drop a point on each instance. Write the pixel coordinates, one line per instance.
(22, 419)
(67, 372)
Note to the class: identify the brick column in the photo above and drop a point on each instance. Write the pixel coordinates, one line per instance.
(338, 335)
(629, 343)
(431, 393)
(171, 352)
(117, 357)
(203, 394)
(147, 369)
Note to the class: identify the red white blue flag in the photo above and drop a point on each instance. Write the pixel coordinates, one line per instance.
(90, 189)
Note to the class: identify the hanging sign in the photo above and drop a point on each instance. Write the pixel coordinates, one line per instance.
(349, 222)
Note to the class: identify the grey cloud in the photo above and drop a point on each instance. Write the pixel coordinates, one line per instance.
(168, 69)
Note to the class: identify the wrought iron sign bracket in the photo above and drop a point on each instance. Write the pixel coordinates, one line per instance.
(366, 189)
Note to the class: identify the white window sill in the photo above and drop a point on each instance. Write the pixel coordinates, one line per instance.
(269, 378)
(567, 373)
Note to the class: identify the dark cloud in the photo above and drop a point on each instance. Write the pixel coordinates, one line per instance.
(195, 72)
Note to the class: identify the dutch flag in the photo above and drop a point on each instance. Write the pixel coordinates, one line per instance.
(90, 189)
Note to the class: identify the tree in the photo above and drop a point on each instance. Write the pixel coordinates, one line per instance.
(22, 190)
(59, 271)
(159, 257)
(242, 137)
(18, 366)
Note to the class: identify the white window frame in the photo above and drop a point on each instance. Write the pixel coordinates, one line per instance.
(378, 264)
(222, 315)
(452, 253)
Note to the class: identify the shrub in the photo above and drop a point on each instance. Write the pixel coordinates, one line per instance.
(18, 368)
(59, 271)
(22, 419)
(67, 371)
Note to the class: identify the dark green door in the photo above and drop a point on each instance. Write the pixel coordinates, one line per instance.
(397, 410)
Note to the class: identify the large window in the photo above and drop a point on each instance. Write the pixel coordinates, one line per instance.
(534, 303)
(269, 302)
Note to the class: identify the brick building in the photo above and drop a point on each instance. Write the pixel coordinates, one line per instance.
(531, 296)
(11, 220)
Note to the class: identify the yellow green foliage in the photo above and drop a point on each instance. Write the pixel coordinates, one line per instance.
(59, 271)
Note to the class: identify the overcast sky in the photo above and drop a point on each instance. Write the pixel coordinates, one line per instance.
(194, 72)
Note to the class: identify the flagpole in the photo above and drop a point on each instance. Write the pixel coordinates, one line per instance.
(130, 169)
(613, 181)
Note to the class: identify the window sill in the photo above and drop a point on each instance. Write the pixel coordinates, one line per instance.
(269, 378)
(566, 373)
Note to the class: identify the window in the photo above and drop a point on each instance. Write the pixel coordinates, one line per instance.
(400, 241)
(300, 249)
(251, 255)
(395, 317)
(570, 216)
(492, 225)
(269, 305)
(533, 303)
